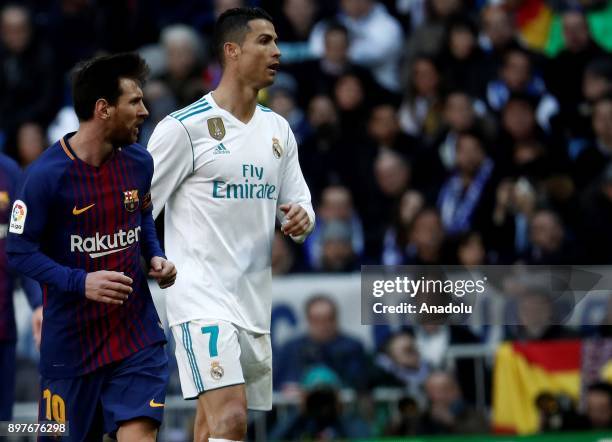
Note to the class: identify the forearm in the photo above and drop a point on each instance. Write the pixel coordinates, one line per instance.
(150, 243)
(43, 269)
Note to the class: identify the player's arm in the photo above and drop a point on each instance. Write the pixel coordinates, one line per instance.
(173, 157)
(296, 214)
(26, 226)
(161, 269)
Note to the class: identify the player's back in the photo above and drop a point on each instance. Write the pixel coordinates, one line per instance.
(89, 218)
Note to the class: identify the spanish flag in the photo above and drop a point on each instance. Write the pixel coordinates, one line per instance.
(523, 370)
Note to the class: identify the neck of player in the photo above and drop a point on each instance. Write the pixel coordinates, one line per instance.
(90, 145)
(237, 98)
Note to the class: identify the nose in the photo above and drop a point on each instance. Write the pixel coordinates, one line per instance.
(276, 52)
(143, 111)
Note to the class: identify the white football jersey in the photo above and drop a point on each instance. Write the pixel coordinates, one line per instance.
(221, 182)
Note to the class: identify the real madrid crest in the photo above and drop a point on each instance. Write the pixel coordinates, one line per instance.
(216, 371)
(216, 128)
(130, 200)
(277, 150)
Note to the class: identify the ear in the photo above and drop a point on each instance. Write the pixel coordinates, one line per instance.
(102, 109)
(231, 51)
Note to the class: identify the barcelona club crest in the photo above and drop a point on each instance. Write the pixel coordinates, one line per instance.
(130, 200)
(216, 128)
(277, 150)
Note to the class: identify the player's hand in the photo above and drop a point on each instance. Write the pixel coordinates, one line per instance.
(108, 287)
(37, 318)
(163, 271)
(297, 220)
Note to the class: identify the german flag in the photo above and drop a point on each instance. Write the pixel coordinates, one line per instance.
(523, 370)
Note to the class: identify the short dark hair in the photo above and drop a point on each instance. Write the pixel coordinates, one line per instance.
(233, 25)
(98, 78)
(320, 298)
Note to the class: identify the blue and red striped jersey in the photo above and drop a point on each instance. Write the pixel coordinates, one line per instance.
(70, 218)
(9, 177)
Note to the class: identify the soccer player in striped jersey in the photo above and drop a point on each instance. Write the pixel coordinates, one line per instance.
(9, 177)
(225, 169)
(79, 226)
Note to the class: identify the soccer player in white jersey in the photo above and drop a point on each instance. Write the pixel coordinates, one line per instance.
(225, 169)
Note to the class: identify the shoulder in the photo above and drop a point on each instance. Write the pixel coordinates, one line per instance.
(192, 113)
(50, 165)
(138, 153)
(274, 119)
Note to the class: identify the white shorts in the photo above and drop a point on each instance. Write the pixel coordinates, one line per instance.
(213, 354)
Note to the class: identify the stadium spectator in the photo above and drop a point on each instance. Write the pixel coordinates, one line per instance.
(323, 344)
(471, 250)
(538, 316)
(550, 244)
(336, 205)
(31, 142)
(461, 59)
(428, 38)
(421, 110)
(466, 198)
(319, 75)
(321, 416)
(337, 251)
(294, 26)
(593, 159)
(596, 219)
(396, 237)
(376, 39)
(598, 404)
(447, 411)
(385, 132)
(426, 239)
(29, 78)
(579, 50)
(517, 75)
(400, 365)
(281, 99)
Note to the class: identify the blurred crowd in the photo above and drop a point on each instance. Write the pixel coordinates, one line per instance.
(430, 132)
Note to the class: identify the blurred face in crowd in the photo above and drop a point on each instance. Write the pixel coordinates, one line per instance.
(442, 390)
(471, 251)
(595, 86)
(403, 351)
(526, 152)
(282, 103)
(458, 112)
(349, 93)
(516, 71)
(470, 154)
(546, 231)
(301, 15)
(221, 6)
(181, 57)
(392, 173)
(445, 8)
(257, 59)
(427, 233)
(384, 125)
(356, 8)
(336, 204)
(462, 42)
(322, 322)
(535, 312)
(518, 119)
(16, 30)
(337, 255)
(425, 78)
(497, 26)
(336, 46)
(129, 113)
(321, 110)
(411, 203)
(575, 31)
(30, 142)
(602, 120)
(599, 409)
